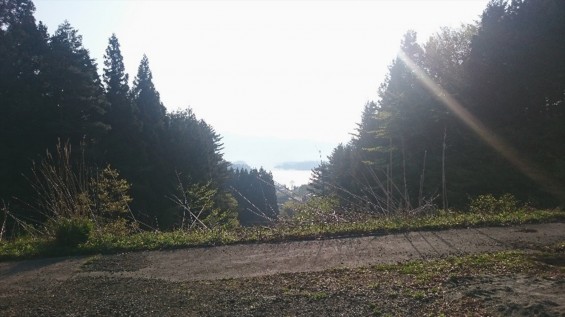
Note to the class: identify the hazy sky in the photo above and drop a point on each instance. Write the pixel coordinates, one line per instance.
(280, 80)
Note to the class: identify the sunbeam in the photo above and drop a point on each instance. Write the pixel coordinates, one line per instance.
(525, 166)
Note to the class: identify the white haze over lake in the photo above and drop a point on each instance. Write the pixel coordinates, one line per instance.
(291, 178)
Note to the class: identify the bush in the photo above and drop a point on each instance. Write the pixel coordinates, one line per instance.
(204, 206)
(109, 192)
(315, 210)
(490, 204)
(72, 232)
(120, 227)
(74, 197)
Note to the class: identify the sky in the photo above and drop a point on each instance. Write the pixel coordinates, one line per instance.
(279, 80)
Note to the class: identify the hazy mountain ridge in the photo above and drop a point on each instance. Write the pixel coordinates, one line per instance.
(298, 165)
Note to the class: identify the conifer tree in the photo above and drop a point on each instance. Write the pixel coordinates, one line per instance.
(76, 99)
(147, 99)
(255, 193)
(152, 180)
(123, 144)
(23, 48)
(115, 76)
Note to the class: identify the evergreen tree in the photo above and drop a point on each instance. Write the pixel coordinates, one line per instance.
(255, 193)
(400, 138)
(507, 72)
(123, 144)
(151, 184)
(516, 87)
(148, 102)
(117, 87)
(23, 48)
(191, 154)
(50, 90)
(319, 184)
(194, 148)
(76, 101)
(366, 129)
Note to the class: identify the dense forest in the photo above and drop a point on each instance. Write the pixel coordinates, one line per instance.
(57, 114)
(474, 110)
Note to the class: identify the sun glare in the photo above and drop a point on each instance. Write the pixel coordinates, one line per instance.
(517, 159)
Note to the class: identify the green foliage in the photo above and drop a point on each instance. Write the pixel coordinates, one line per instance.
(316, 210)
(317, 295)
(110, 243)
(60, 185)
(200, 208)
(504, 71)
(226, 219)
(498, 261)
(191, 151)
(50, 90)
(71, 232)
(115, 76)
(120, 227)
(256, 196)
(148, 101)
(75, 96)
(110, 193)
(493, 205)
(73, 197)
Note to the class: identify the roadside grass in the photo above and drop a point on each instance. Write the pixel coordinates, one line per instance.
(31, 247)
(453, 267)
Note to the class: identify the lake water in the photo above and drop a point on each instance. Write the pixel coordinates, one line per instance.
(291, 178)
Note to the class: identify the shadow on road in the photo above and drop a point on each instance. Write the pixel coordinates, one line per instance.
(8, 269)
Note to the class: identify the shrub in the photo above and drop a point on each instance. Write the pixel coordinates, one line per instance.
(490, 204)
(69, 193)
(110, 196)
(120, 227)
(315, 210)
(70, 232)
(204, 206)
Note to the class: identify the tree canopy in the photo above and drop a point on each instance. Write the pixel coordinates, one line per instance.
(51, 93)
(506, 72)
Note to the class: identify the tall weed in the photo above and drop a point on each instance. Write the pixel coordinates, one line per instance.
(75, 199)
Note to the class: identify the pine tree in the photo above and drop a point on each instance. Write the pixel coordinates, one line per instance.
(516, 86)
(255, 193)
(115, 76)
(152, 180)
(147, 99)
(76, 97)
(23, 49)
(123, 144)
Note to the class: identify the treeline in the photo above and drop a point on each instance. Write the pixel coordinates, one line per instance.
(51, 93)
(256, 196)
(474, 110)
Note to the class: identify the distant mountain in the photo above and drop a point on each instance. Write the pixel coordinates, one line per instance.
(269, 151)
(300, 166)
(240, 165)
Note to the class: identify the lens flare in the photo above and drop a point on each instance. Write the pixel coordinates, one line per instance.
(498, 144)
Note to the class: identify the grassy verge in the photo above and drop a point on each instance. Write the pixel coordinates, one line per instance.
(38, 247)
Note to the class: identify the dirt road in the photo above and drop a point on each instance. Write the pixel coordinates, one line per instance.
(243, 280)
(250, 260)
